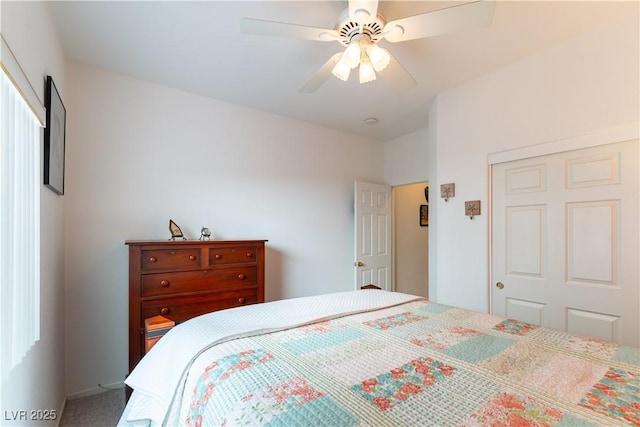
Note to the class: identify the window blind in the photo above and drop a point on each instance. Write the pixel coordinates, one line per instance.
(19, 225)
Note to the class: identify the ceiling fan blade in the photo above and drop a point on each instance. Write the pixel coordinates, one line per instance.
(283, 29)
(397, 77)
(444, 21)
(320, 76)
(363, 9)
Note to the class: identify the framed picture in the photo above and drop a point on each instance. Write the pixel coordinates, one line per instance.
(54, 136)
(424, 215)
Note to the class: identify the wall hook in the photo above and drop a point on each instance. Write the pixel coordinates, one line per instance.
(447, 191)
(472, 208)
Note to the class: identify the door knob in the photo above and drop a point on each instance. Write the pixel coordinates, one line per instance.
(359, 264)
(500, 285)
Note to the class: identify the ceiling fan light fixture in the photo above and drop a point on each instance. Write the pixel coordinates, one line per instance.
(367, 74)
(379, 57)
(341, 71)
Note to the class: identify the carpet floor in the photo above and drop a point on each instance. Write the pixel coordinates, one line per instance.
(98, 410)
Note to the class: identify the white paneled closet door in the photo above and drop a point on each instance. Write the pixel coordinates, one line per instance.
(565, 240)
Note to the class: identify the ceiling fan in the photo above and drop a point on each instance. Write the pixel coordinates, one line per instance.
(360, 27)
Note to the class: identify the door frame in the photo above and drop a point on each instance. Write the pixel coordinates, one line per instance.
(605, 136)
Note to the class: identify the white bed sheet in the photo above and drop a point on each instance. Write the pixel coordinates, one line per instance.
(161, 374)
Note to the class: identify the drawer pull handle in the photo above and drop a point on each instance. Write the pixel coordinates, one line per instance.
(165, 310)
(153, 259)
(249, 254)
(218, 256)
(164, 283)
(241, 276)
(241, 300)
(192, 257)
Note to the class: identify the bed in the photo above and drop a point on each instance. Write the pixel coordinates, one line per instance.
(372, 357)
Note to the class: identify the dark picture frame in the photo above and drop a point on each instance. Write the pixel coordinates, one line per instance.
(54, 138)
(424, 215)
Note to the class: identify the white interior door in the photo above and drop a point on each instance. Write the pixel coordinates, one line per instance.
(372, 206)
(565, 240)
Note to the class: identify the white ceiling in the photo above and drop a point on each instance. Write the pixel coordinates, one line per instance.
(198, 47)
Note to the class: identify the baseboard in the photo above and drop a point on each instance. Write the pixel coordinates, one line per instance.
(59, 417)
(101, 388)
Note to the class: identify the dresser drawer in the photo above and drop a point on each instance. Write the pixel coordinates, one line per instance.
(172, 259)
(233, 255)
(194, 281)
(180, 309)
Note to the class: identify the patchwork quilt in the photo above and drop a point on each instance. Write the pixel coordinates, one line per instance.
(417, 363)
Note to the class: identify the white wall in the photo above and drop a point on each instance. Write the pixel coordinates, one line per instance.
(139, 154)
(582, 86)
(406, 159)
(38, 382)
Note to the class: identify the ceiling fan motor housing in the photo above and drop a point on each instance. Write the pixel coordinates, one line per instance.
(348, 28)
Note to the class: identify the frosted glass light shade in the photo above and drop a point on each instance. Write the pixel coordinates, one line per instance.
(351, 55)
(341, 70)
(379, 57)
(367, 74)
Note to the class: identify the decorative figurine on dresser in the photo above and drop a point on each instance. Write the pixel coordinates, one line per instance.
(205, 233)
(175, 231)
(182, 279)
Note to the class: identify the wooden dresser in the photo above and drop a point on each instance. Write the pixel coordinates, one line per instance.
(183, 279)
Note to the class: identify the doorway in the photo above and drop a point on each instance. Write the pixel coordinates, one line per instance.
(411, 238)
